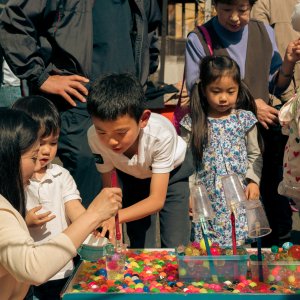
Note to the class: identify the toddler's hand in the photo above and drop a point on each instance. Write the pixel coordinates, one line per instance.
(33, 219)
(252, 191)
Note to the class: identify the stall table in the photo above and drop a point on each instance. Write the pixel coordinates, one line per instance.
(88, 282)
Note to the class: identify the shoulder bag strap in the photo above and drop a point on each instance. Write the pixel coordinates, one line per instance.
(208, 40)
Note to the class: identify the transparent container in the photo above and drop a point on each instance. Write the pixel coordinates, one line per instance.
(233, 191)
(225, 267)
(200, 203)
(283, 273)
(115, 262)
(258, 224)
(290, 190)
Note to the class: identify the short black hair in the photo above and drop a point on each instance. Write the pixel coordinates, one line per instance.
(41, 110)
(116, 95)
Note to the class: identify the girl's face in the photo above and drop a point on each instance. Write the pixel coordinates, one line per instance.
(28, 162)
(234, 17)
(221, 96)
(47, 151)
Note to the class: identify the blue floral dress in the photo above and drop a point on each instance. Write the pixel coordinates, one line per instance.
(226, 153)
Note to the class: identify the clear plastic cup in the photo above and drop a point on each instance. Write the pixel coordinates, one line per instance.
(115, 262)
(200, 203)
(258, 224)
(234, 192)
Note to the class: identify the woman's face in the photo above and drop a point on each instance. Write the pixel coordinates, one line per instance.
(28, 162)
(234, 17)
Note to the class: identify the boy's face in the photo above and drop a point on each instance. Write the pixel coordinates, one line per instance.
(122, 134)
(47, 152)
(235, 16)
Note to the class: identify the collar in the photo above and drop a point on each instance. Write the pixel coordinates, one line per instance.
(227, 35)
(52, 171)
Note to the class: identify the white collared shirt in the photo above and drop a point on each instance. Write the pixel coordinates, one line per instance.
(160, 150)
(52, 192)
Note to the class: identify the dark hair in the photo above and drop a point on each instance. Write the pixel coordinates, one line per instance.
(116, 95)
(41, 110)
(18, 133)
(211, 69)
(230, 2)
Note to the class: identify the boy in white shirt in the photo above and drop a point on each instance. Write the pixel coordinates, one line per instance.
(150, 158)
(53, 200)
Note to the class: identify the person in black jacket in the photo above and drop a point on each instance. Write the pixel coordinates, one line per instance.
(10, 89)
(61, 46)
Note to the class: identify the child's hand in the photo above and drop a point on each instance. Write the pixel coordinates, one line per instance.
(109, 226)
(252, 191)
(32, 219)
(97, 234)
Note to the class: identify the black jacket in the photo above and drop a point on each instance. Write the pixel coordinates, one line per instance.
(45, 37)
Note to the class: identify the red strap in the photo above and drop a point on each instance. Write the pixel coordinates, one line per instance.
(207, 38)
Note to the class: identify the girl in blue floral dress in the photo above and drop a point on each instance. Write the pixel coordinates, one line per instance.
(224, 140)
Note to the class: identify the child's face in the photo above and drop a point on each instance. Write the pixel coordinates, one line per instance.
(234, 17)
(221, 96)
(29, 162)
(47, 152)
(122, 134)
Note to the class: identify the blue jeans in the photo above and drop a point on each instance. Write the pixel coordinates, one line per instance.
(8, 95)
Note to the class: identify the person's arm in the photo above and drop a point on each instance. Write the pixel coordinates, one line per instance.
(255, 163)
(70, 195)
(149, 205)
(74, 209)
(20, 26)
(103, 207)
(36, 263)
(19, 33)
(266, 114)
(286, 71)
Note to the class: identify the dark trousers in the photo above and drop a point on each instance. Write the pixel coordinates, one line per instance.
(174, 216)
(50, 290)
(277, 207)
(75, 153)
